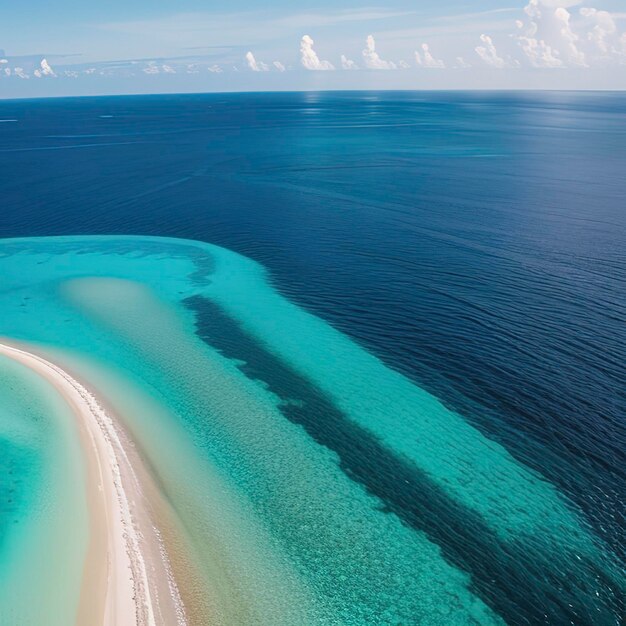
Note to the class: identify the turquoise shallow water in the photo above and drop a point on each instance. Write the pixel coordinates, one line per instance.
(41, 498)
(312, 483)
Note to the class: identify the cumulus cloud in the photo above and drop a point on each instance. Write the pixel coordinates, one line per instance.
(603, 28)
(348, 64)
(539, 53)
(46, 70)
(309, 58)
(254, 65)
(569, 37)
(426, 59)
(403, 65)
(151, 68)
(550, 36)
(372, 58)
(488, 53)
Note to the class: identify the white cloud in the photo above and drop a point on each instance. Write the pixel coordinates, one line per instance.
(604, 27)
(372, 58)
(151, 68)
(549, 34)
(403, 65)
(569, 37)
(426, 59)
(46, 70)
(309, 58)
(539, 53)
(254, 65)
(489, 54)
(542, 28)
(551, 37)
(348, 64)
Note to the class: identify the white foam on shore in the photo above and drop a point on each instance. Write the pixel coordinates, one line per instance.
(125, 596)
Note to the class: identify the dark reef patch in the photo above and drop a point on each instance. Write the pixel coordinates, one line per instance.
(516, 580)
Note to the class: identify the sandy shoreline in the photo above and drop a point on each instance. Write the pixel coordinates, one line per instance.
(128, 578)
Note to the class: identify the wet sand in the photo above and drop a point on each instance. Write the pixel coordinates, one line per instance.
(128, 578)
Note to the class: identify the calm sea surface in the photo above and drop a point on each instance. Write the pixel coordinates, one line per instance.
(474, 242)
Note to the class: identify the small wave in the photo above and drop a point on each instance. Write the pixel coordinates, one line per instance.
(73, 147)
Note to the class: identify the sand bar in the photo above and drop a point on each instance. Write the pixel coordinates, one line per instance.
(127, 579)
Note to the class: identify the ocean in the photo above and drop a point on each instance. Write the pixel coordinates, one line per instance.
(428, 313)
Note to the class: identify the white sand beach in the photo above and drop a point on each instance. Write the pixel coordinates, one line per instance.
(127, 578)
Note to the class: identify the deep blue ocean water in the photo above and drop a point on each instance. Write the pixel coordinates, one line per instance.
(474, 242)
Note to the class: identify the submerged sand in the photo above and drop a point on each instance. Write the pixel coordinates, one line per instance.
(128, 578)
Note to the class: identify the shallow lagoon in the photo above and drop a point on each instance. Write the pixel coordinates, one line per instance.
(311, 483)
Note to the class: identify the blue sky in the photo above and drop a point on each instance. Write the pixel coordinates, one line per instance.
(154, 46)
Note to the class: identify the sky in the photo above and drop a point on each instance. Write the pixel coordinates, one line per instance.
(151, 46)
